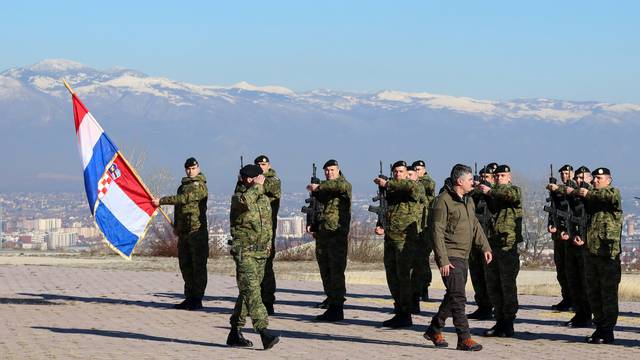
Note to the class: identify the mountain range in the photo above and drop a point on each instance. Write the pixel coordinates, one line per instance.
(165, 121)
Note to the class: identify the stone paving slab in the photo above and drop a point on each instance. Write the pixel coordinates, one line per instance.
(51, 312)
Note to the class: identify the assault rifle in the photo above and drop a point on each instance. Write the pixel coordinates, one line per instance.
(558, 216)
(382, 209)
(314, 209)
(579, 216)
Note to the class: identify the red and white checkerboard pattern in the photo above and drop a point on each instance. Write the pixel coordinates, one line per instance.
(103, 185)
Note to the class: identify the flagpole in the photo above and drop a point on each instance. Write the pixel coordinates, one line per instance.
(135, 173)
(66, 84)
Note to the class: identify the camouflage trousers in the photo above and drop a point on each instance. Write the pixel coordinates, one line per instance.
(577, 280)
(398, 260)
(193, 252)
(268, 284)
(249, 274)
(477, 270)
(603, 278)
(420, 270)
(501, 276)
(331, 254)
(559, 258)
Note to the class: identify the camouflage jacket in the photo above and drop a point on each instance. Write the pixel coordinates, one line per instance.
(250, 220)
(190, 205)
(454, 228)
(429, 188)
(403, 199)
(605, 229)
(507, 203)
(484, 210)
(335, 197)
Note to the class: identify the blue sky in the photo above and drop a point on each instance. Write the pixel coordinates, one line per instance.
(571, 50)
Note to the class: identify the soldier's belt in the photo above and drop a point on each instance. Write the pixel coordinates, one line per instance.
(253, 247)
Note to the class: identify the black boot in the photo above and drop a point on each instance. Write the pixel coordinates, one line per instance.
(184, 305)
(496, 331)
(596, 337)
(399, 320)
(415, 306)
(196, 304)
(579, 321)
(236, 339)
(481, 314)
(269, 308)
(563, 305)
(324, 304)
(507, 328)
(334, 313)
(268, 339)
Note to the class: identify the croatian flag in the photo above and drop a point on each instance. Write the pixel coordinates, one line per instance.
(119, 201)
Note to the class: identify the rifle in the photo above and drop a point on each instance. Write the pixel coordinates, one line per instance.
(382, 209)
(230, 240)
(241, 162)
(558, 216)
(314, 209)
(579, 216)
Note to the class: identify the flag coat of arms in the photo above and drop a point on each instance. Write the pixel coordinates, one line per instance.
(118, 199)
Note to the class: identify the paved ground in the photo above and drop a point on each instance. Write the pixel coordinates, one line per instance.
(51, 312)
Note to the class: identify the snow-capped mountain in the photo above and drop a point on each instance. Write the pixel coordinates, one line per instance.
(170, 120)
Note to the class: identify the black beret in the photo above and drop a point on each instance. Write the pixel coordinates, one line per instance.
(482, 171)
(411, 168)
(491, 167)
(582, 170)
(190, 162)
(331, 162)
(261, 159)
(502, 169)
(601, 171)
(418, 163)
(567, 167)
(250, 171)
(399, 163)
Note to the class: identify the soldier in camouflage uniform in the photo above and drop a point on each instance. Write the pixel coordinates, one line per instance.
(420, 260)
(424, 271)
(575, 253)
(334, 194)
(602, 262)
(558, 226)
(484, 213)
(193, 235)
(250, 221)
(501, 273)
(400, 239)
(272, 190)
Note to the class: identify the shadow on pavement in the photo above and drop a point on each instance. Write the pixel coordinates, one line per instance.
(125, 335)
(23, 301)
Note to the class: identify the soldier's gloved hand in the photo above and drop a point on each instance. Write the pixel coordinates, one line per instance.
(578, 241)
(379, 230)
(552, 229)
(564, 235)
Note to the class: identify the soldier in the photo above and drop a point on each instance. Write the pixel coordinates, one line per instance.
(272, 190)
(334, 194)
(501, 273)
(193, 235)
(558, 226)
(403, 196)
(250, 221)
(602, 262)
(430, 188)
(484, 214)
(574, 255)
(420, 259)
(455, 229)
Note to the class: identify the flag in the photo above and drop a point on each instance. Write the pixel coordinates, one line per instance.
(119, 202)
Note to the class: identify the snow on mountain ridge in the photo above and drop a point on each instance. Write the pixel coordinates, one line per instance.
(56, 65)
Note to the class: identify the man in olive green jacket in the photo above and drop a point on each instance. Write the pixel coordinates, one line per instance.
(602, 262)
(190, 224)
(250, 223)
(502, 272)
(334, 194)
(455, 230)
(400, 240)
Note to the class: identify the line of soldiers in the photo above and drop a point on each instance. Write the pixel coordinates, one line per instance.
(585, 222)
(475, 223)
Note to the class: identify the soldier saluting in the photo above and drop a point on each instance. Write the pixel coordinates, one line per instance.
(190, 224)
(250, 220)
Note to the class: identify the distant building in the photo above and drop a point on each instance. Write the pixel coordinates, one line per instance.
(61, 239)
(291, 227)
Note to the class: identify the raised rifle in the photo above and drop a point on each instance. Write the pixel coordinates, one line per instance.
(314, 207)
(382, 209)
(579, 216)
(559, 217)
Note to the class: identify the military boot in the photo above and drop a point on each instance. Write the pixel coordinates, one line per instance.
(415, 306)
(269, 308)
(184, 305)
(435, 337)
(236, 339)
(579, 321)
(481, 314)
(268, 339)
(324, 304)
(507, 328)
(496, 331)
(601, 337)
(563, 305)
(399, 320)
(334, 313)
(196, 304)
(468, 345)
